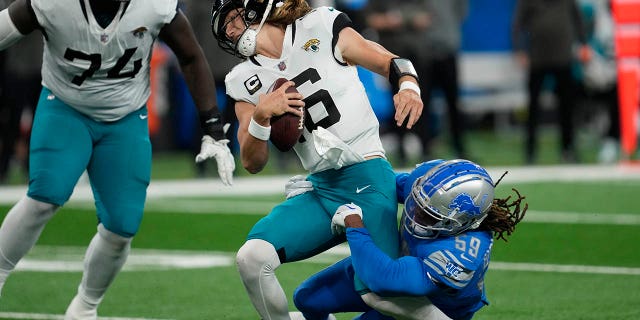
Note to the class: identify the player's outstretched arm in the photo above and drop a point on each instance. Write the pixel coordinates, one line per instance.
(357, 50)
(179, 36)
(379, 272)
(16, 21)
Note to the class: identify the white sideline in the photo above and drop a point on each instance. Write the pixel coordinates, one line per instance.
(264, 185)
(46, 316)
(69, 259)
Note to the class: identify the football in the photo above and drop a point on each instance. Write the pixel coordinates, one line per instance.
(286, 129)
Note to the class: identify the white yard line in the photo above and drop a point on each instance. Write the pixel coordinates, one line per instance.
(539, 267)
(46, 316)
(625, 219)
(215, 206)
(69, 259)
(263, 185)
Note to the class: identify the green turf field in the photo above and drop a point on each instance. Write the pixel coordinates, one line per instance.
(574, 257)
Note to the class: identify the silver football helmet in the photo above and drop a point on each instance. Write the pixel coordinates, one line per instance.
(252, 12)
(452, 197)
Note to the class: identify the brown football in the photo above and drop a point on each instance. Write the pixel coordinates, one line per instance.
(286, 129)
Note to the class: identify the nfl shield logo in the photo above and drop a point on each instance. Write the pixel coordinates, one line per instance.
(104, 38)
(282, 66)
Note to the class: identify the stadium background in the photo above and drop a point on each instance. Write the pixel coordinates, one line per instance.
(574, 256)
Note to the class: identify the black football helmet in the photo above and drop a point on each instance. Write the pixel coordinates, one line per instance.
(253, 12)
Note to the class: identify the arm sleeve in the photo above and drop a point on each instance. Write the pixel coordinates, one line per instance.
(383, 275)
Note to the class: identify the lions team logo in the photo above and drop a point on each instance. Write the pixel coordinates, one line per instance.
(312, 44)
(464, 203)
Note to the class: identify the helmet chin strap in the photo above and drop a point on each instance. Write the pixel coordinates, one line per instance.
(247, 42)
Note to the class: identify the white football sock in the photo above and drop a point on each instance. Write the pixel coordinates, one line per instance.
(20, 230)
(105, 256)
(257, 261)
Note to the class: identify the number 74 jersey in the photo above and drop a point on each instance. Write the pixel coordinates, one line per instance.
(101, 72)
(334, 97)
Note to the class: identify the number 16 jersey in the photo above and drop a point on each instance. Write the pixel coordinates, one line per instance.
(101, 72)
(334, 97)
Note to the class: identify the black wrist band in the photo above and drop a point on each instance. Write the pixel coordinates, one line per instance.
(211, 123)
(399, 67)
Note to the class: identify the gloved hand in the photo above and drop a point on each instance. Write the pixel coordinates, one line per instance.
(211, 148)
(297, 185)
(337, 222)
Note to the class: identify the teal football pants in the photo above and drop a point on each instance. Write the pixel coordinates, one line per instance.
(116, 155)
(300, 227)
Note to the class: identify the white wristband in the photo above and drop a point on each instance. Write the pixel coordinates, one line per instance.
(258, 131)
(409, 85)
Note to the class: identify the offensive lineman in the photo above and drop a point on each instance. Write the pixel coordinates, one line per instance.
(92, 115)
(317, 50)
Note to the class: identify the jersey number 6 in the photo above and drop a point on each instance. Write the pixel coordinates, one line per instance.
(320, 96)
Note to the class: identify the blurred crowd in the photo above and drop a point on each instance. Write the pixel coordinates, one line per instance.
(561, 51)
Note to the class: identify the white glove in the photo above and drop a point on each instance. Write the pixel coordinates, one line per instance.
(211, 148)
(297, 185)
(337, 222)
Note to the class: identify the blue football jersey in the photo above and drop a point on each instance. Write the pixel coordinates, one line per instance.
(456, 265)
(449, 271)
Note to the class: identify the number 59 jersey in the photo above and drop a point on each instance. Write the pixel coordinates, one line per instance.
(101, 72)
(334, 97)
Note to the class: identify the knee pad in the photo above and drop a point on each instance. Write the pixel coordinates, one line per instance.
(257, 257)
(117, 241)
(40, 212)
(41, 206)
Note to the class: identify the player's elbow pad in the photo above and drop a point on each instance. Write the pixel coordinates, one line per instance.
(9, 34)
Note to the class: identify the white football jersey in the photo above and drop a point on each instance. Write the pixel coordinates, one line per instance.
(335, 98)
(103, 73)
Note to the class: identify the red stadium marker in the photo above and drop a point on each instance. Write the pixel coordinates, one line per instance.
(626, 14)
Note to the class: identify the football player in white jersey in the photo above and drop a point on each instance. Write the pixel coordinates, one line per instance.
(317, 50)
(92, 116)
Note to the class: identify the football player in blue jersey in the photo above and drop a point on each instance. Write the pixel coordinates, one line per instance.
(449, 220)
(92, 116)
(318, 51)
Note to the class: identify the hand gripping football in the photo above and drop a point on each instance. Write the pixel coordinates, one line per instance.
(286, 129)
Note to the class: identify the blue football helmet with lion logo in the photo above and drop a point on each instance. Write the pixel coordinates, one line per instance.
(452, 197)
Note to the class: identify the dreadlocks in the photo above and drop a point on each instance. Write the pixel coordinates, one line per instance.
(501, 218)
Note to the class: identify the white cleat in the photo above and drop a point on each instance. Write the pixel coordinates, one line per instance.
(80, 310)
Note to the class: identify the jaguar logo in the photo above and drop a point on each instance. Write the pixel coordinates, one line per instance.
(312, 44)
